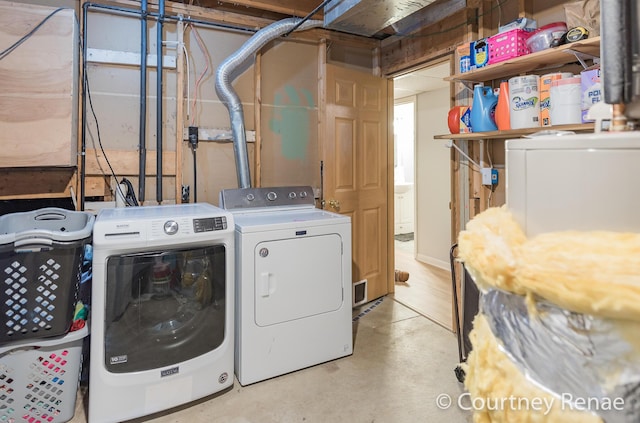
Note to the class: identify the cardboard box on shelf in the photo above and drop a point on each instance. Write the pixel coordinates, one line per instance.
(591, 89)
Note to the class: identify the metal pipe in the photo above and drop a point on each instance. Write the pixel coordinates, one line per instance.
(159, 103)
(83, 135)
(616, 51)
(224, 79)
(167, 17)
(618, 118)
(143, 101)
(115, 10)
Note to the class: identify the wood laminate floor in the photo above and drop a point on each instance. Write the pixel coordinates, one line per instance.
(428, 290)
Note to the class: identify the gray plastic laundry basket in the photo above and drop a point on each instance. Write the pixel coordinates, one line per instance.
(41, 255)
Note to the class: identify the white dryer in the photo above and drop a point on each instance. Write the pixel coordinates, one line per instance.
(293, 282)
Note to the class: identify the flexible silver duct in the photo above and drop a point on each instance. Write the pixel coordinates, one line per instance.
(225, 77)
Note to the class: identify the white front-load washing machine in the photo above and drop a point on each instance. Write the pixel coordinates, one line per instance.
(293, 282)
(161, 308)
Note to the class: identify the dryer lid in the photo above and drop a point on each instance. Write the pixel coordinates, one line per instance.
(284, 219)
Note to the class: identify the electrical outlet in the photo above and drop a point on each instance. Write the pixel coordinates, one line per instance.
(193, 136)
(494, 176)
(185, 194)
(486, 175)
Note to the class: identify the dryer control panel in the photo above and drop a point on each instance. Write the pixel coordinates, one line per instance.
(243, 198)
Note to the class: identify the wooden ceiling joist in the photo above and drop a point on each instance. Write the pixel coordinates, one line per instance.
(300, 8)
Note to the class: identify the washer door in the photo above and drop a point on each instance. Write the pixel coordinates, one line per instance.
(164, 307)
(297, 278)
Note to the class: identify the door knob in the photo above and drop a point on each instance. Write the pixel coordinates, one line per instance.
(335, 204)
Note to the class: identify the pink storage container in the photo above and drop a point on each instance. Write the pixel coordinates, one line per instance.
(508, 45)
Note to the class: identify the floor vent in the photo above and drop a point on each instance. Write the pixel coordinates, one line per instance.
(359, 292)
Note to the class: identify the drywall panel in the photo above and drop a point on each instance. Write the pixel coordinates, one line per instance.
(204, 59)
(289, 127)
(215, 170)
(433, 182)
(38, 86)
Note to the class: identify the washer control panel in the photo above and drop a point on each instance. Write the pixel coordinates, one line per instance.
(266, 197)
(210, 224)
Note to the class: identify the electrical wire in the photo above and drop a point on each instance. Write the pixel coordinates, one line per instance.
(186, 61)
(488, 151)
(202, 74)
(4, 53)
(87, 90)
(306, 18)
(188, 71)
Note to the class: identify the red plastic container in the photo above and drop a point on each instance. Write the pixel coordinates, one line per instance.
(544, 36)
(459, 120)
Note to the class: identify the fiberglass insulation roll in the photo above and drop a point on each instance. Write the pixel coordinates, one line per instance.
(559, 323)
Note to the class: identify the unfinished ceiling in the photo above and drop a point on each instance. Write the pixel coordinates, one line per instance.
(370, 18)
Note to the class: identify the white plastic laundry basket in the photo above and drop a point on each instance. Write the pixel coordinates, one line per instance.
(39, 379)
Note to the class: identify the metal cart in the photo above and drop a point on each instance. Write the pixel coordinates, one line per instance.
(470, 298)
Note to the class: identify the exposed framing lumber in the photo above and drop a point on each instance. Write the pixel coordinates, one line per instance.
(391, 258)
(97, 186)
(302, 7)
(125, 163)
(525, 8)
(322, 109)
(426, 44)
(37, 182)
(200, 13)
(250, 23)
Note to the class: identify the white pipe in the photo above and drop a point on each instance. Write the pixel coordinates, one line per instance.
(224, 78)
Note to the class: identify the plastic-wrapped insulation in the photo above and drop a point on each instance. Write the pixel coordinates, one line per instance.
(225, 76)
(572, 355)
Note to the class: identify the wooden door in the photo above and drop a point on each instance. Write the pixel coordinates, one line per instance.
(355, 150)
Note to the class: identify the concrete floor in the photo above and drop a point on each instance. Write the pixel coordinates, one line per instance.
(401, 363)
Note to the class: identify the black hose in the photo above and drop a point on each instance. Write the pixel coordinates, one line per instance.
(195, 177)
(130, 197)
(306, 18)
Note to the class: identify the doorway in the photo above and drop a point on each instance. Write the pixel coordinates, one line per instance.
(422, 182)
(403, 171)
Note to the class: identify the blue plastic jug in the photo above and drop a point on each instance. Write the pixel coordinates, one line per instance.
(483, 109)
